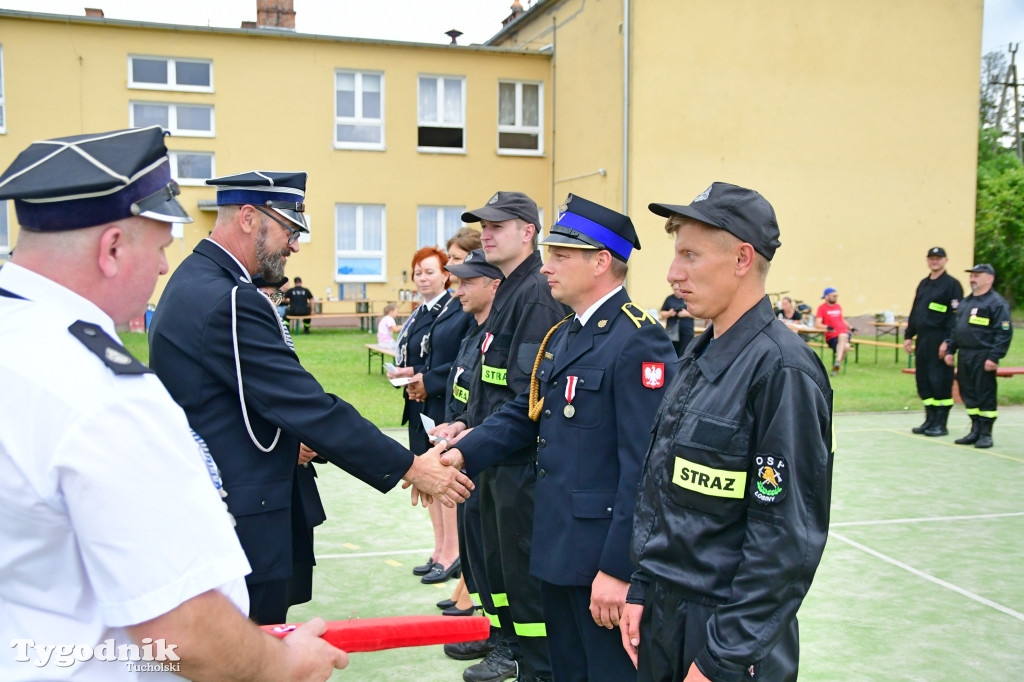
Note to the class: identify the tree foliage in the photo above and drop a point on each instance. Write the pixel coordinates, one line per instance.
(999, 213)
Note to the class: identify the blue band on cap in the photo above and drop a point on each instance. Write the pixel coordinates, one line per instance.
(597, 231)
(254, 197)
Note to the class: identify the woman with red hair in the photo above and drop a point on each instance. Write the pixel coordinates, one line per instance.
(426, 349)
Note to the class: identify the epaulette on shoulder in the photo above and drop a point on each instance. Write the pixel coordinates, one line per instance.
(113, 354)
(639, 316)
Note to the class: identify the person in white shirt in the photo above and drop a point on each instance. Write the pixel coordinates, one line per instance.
(114, 536)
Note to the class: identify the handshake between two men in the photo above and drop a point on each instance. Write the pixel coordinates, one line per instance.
(440, 467)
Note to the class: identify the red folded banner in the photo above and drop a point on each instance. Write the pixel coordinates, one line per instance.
(377, 634)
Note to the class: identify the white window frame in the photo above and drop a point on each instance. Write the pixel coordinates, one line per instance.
(191, 182)
(440, 114)
(172, 118)
(518, 126)
(359, 252)
(359, 119)
(5, 232)
(171, 61)
(3, 98)
(441, 239)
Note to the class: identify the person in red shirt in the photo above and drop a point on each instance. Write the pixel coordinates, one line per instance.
(830, 316)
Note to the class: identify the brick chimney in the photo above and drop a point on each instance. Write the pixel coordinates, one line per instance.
(275, 14)
(93, 12)
(517, 11)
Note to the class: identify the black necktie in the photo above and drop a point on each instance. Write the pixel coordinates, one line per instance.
(573, 329)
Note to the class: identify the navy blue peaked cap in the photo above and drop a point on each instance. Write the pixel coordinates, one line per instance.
(283, 192)
(583, 224)
(73, 182)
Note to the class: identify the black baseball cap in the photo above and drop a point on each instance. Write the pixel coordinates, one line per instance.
(506, 206)
(742, 212)
(475, 265)
(983, 267)
(936, 252)
(583, 224)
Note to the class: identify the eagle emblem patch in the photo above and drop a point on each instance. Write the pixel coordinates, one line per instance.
(654, 374)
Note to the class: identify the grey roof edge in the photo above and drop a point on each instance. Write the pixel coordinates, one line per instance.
(505, 30)
(259, 32)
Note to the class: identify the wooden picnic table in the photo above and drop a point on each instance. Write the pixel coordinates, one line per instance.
(377, 349)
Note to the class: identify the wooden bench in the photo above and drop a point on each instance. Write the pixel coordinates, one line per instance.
(375, 349)
(361, 317)
(858, 342)
(1001, 372)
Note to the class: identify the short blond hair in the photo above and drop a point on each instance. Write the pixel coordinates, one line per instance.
(723, 238)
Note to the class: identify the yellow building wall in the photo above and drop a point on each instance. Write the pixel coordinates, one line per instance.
(274, 109)
(857, 120)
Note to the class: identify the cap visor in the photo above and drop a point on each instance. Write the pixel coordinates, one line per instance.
(293, 217)
(667, 210)
(169, 211)
(555, 239)
(495, 215)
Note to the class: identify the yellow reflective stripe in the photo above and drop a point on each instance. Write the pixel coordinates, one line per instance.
(461, 394)
(942, 402)
(974, 319)
(991, 415)
(494, 375)
(937, 307)
(531, 629)
(833, 436)
(708, 481)
(500, 599)
(928, 402)
(495, 623)
(972, 411)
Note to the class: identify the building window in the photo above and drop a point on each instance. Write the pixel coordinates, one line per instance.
(3, 102)
(187, 120)
(360, 240)
(191, 168)
(442, 114)
(520, 112)
(168, 73)
(435, 225)
(358, 110)
(5, 232)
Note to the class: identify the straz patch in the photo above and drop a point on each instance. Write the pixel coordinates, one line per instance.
(708, 481)
(653, 374)
(769, 484)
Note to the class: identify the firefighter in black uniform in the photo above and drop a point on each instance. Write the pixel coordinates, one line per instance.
(733, 504)
(982, 335)
(522, 313)
(931, 321)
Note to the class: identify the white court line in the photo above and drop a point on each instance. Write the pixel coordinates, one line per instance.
(937, 581)
(366, 554)
(924, 520)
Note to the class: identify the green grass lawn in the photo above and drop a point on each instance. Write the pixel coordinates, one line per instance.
(337, 358)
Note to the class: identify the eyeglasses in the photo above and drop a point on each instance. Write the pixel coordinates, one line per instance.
(293, 233)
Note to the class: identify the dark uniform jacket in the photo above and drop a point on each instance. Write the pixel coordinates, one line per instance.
(935, 305)
(298, 298)
(983, 324)
(191, 351)
(522, 313)
(589, 463)
(446, 335)
(412, 349)
(467, 360)
(734, 496)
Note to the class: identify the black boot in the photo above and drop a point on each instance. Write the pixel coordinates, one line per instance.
(929, 417)
(985, 435)
(938, 427)
(972, 437)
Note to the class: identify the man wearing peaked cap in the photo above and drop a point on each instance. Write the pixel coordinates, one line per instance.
(522, 313)
(94, 455)
(733, 503)
(219, 346)
(596, 384)
(931, 322)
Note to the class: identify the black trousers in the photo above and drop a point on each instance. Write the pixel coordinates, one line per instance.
(674, 630)
(506, 521)
(977, 387)
(581, 650)
(268, 602)
(471, 551)
(934, 376)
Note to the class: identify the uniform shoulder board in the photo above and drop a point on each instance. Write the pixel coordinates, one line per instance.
(113, 355)
(637, 314)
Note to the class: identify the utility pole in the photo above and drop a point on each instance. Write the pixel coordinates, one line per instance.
(1008, 82)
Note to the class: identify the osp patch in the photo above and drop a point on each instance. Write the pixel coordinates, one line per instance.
(769, 483)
